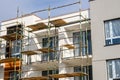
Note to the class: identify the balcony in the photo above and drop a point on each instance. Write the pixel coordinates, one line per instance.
(78, 61)
(46, 65)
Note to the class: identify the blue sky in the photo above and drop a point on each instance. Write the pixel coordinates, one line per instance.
(8, 8)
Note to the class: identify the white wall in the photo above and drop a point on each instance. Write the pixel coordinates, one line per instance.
(30, 71)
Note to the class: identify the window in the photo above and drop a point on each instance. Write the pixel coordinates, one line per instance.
(14, 29)
(16, 48)
(86, 38)
(50, 72)
(53, 44)
(113, 68)
(14, 75)
(13, 47)
(86, 69)
(112, 32)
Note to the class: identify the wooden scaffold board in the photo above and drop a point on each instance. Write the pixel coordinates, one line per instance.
(68, 75)
(69, 46)
(29, 52)
(9, 60)
(46, 50)
(58, 22)
(12, 36)
(38, 26)
(35, 78)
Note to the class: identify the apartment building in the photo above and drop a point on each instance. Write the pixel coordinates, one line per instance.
(105, 26)
(46, 49)
(77, 46)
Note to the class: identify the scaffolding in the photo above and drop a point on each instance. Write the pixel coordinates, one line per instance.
(52, 28)
(12, 64)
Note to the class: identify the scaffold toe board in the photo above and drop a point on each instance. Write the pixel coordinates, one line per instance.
(38, 26)
(58, 22)
(12, 36)
(46, 50)
(35, 78)
(9, 60)
(69, 46)
(29, 52)
(68, 75)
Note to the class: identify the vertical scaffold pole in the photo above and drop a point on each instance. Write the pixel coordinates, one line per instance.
(48, 35)
(81, 36)
(87, 52)
(16, 45)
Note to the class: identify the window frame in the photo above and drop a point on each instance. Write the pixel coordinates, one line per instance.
(84, 49)
(86, 69)
(53, 45)
(113, 67)
(111, 38)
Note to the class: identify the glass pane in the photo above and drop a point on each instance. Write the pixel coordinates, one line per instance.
(44, 73)
(110, 71)
(116, 27)
(77, 69)
(113, 69)
(117, 68)
(14, 75)
(107, 30)
(16, 46)
(108, 41)
(89, 42)
(45, 57)
(52, 43)
(76, 41)
(116, 41)
(90, 73)
(84, 43)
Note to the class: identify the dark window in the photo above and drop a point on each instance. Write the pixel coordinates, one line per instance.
(51, 43)
(44, 73)
(112, 32)
(85, 69)
(50, 72)
(14, 29)
(14, 75)
(82, 42)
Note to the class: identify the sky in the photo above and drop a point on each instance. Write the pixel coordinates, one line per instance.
(8, 8)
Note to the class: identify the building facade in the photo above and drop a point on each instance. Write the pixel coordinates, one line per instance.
(105, 26)
(77, 46)
(55, 48)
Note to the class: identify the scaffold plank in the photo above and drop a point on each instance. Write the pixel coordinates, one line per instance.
(46, 50)
(29, 52)
(58, 22)
(35, 78)
(12, 36)
(9, 60)
(38, 26)
(69, 46)
(68, 75)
